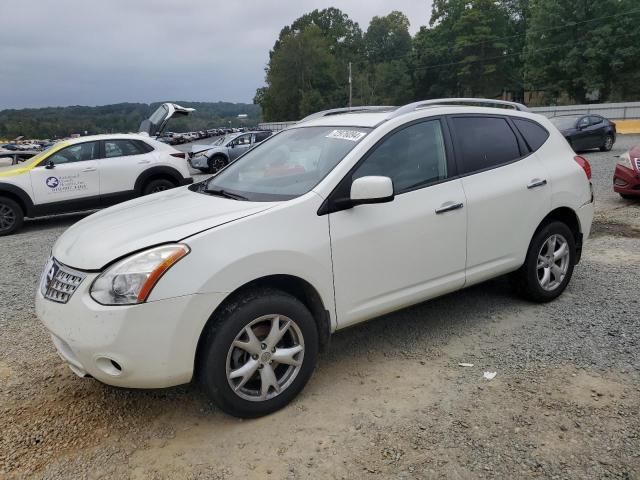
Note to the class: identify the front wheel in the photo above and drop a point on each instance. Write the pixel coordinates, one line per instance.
(11, 216)
(259, 353)
(216, 163)
(549, 263)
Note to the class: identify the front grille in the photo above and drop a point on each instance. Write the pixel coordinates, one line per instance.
(638, 163)
(59, 281)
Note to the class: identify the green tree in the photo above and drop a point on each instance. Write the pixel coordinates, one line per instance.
(566, 47)
(300, 76)
(387, 38)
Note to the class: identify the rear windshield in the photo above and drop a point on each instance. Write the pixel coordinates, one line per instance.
(564, 122)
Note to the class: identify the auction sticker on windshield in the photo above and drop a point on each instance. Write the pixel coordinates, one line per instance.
(352, 135)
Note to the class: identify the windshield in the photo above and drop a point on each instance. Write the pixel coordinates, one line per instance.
(288, 164)
(564, 123)
(43, 154)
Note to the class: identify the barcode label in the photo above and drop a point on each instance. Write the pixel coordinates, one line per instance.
(352, 135)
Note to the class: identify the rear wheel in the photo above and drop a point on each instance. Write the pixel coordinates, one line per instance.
(11, 216)
(157, 185)
(216, 163)
(549, 264)
(259, 353)
(608, 144)
(629, 197)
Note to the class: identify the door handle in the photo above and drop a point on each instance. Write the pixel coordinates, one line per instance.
(536, 182)
(90, 169)
(448, 206)
(142, 162)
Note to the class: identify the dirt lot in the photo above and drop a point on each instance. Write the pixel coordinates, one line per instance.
(389, 399)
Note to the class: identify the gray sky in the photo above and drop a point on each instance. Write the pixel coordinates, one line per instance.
(95, 52)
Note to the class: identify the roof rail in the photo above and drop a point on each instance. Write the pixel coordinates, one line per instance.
(487, 102)
(337, 111)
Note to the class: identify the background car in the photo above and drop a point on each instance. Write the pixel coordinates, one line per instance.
(225, 150)
(91, 172)
(626, 178)
(9, 158)
(584, 132)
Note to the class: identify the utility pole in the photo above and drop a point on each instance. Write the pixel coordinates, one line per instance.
(349, 85)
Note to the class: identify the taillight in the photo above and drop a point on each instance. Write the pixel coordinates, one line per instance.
(179, 155)
(584, 164)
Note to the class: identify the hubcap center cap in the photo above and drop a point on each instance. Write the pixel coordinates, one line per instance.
(265, 357)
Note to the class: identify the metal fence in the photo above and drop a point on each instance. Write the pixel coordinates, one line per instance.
(616, 111)
(275, 126)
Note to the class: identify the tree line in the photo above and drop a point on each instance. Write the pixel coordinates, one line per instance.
(539, 52)
(59, 122)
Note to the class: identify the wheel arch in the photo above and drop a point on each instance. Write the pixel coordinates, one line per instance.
(569, 217)
(153, 173)
(291, 284)
(19, 196)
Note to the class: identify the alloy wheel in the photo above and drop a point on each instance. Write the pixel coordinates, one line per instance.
(7, 217)
(265, 358)
(553, 262)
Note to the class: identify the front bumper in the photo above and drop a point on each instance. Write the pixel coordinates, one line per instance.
(151, 345)
(199, 161)
(626, 181)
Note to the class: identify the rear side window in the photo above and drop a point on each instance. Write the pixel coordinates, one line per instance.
(262, 136)
(595, 120)
(485, 142)
(534, 134)
(121, 148)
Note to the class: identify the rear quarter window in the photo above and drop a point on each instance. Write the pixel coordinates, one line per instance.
(485, 142)
(534, 134)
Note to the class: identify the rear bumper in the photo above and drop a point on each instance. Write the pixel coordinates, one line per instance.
(626, 181)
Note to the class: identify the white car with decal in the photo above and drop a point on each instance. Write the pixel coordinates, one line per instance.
(92, 172)
(239, 280)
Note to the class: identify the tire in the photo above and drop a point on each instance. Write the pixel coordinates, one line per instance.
(629, 197)
(217, 163)
(157, 185)
(11, 216)
(608, 143)
(527, 280)
(251, 395)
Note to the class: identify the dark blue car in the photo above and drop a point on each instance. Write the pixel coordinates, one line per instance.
(584, 132)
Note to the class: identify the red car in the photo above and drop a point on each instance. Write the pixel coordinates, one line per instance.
(626, 178)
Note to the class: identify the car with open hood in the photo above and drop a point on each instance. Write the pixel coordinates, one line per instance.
(91, 172)
(238, 281)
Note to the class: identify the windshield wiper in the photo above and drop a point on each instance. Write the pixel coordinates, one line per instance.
(223, 193)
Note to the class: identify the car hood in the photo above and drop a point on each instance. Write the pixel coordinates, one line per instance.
(159, 218)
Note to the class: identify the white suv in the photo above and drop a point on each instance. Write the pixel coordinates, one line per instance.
(92, 172)
(239, 280)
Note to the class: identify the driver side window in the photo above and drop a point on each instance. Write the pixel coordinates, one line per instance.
(412, 157)
(75, 153)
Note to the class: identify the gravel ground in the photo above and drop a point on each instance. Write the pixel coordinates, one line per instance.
(389, 399)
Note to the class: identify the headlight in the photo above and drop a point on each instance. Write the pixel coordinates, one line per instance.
(625, 160)
(131, 280)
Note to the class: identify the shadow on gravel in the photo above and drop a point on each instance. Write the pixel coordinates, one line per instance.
(47, 223)
(615, 229)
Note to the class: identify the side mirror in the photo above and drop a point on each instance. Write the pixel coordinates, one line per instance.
(371, 189)
(49, 165)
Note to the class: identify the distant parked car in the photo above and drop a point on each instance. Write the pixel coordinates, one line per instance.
(626, 178)
(9, 146)
(9, 158)
(587, 131)
(225, 150)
